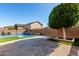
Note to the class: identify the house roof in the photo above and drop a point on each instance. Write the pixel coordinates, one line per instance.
(34, 22)
(21, 25)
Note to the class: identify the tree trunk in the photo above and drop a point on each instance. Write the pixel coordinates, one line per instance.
(16, 32)
(64, 33)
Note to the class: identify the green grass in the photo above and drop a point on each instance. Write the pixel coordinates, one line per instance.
(61, 41)
(13, 38)
(65, 42)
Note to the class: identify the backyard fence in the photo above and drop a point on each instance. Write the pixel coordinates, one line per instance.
(11, 31)
(70, 32)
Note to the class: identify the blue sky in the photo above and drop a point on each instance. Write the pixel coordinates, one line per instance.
(23, 13)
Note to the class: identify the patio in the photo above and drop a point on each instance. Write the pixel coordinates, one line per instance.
(38, 46)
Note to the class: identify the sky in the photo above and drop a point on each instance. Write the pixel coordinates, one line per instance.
(23, 13)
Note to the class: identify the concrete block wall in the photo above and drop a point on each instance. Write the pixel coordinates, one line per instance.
(70, 32)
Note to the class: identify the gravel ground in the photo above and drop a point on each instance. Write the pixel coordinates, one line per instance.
(37, 47)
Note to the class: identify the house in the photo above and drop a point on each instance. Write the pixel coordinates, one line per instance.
(33, 25)
(19, 26)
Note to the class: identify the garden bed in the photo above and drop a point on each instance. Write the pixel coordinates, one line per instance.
(75, 43)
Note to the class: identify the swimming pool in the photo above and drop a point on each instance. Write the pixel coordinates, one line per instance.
(13, 35)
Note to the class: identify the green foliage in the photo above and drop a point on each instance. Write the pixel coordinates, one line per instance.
(76, 42)
(64, 15)
(9, 27)
(15, 26)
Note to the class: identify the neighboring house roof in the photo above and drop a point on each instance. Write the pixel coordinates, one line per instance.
(34, 22)
(19, 25)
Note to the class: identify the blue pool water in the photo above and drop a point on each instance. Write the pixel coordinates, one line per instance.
(12, 35)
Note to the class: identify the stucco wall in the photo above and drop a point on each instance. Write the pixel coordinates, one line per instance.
(20, 28)
(36, 26)
(27, 27)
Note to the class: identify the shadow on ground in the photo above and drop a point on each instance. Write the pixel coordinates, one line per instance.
(74, 51)
(29, 47)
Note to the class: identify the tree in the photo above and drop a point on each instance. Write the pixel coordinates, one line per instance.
(10, 27)
(15, 26)
(63, 16)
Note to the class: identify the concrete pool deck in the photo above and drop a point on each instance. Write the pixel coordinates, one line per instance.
(4, 43)
(37, 46)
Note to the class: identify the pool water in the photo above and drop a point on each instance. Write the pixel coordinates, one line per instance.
(13, 35)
